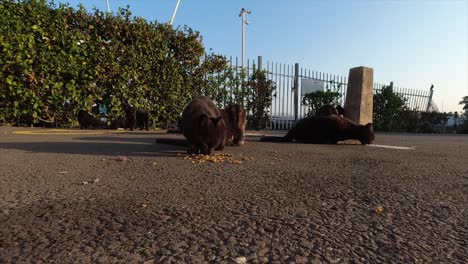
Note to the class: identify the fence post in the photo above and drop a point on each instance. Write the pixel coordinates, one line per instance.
(296, 90)
(431, 92)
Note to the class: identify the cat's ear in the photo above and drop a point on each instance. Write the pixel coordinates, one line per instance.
(203, 120)
(215, 120)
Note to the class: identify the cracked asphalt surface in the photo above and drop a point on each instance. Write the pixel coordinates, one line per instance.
(111, 197)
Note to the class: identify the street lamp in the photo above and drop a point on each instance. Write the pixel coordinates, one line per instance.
(175, 11)
(244, 22)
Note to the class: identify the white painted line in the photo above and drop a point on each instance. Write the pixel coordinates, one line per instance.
(254, 134)
(387, 146)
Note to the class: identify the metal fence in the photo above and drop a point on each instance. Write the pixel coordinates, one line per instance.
(287, 104)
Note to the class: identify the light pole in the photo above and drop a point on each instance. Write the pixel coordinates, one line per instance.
(244, 22)
(175, 11)
(108, 6)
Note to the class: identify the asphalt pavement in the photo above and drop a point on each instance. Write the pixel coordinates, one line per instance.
(105, 196)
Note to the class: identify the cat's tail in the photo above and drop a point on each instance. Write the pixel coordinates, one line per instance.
(273, 139)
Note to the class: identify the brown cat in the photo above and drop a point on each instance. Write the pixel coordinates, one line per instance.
(203, 126)
(326, 130)
(235, 117)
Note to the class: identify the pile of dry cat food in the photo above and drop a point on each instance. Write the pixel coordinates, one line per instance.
(216, 158)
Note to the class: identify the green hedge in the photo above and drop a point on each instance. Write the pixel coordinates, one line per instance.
(392, 115)
(56, 60)
(315, 100)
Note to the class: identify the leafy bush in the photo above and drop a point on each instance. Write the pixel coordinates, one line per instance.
(464, 116)
(259, 97)
(465, 123)
(317, 99)
(216, 79)
(388, 107)
(407, 121)
(432, 122)
(57, 60)
(392, 115)
(464, 102)
(410, 121)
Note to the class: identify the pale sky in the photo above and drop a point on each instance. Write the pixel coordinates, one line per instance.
(414, 43)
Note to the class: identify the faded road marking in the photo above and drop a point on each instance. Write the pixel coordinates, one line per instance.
(387, 146)
(65, 132)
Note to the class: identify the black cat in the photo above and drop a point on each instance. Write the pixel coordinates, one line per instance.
(142, 118)
(87, 120)
(340, 110)
(136, 117)
(327, 110)
(203, 126)
(234, 117)
(326, 130)
(120, 122)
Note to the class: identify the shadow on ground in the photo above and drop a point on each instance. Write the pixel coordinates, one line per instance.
(107, 145)
(128, 147)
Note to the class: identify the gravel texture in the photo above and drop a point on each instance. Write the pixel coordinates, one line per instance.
(121, 198)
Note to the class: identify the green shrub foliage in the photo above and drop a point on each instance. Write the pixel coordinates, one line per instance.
(464, 128)
(259, 96)
(56, 60)
(388, 107)
(464, 115)
(392, 115)
(317, 99)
